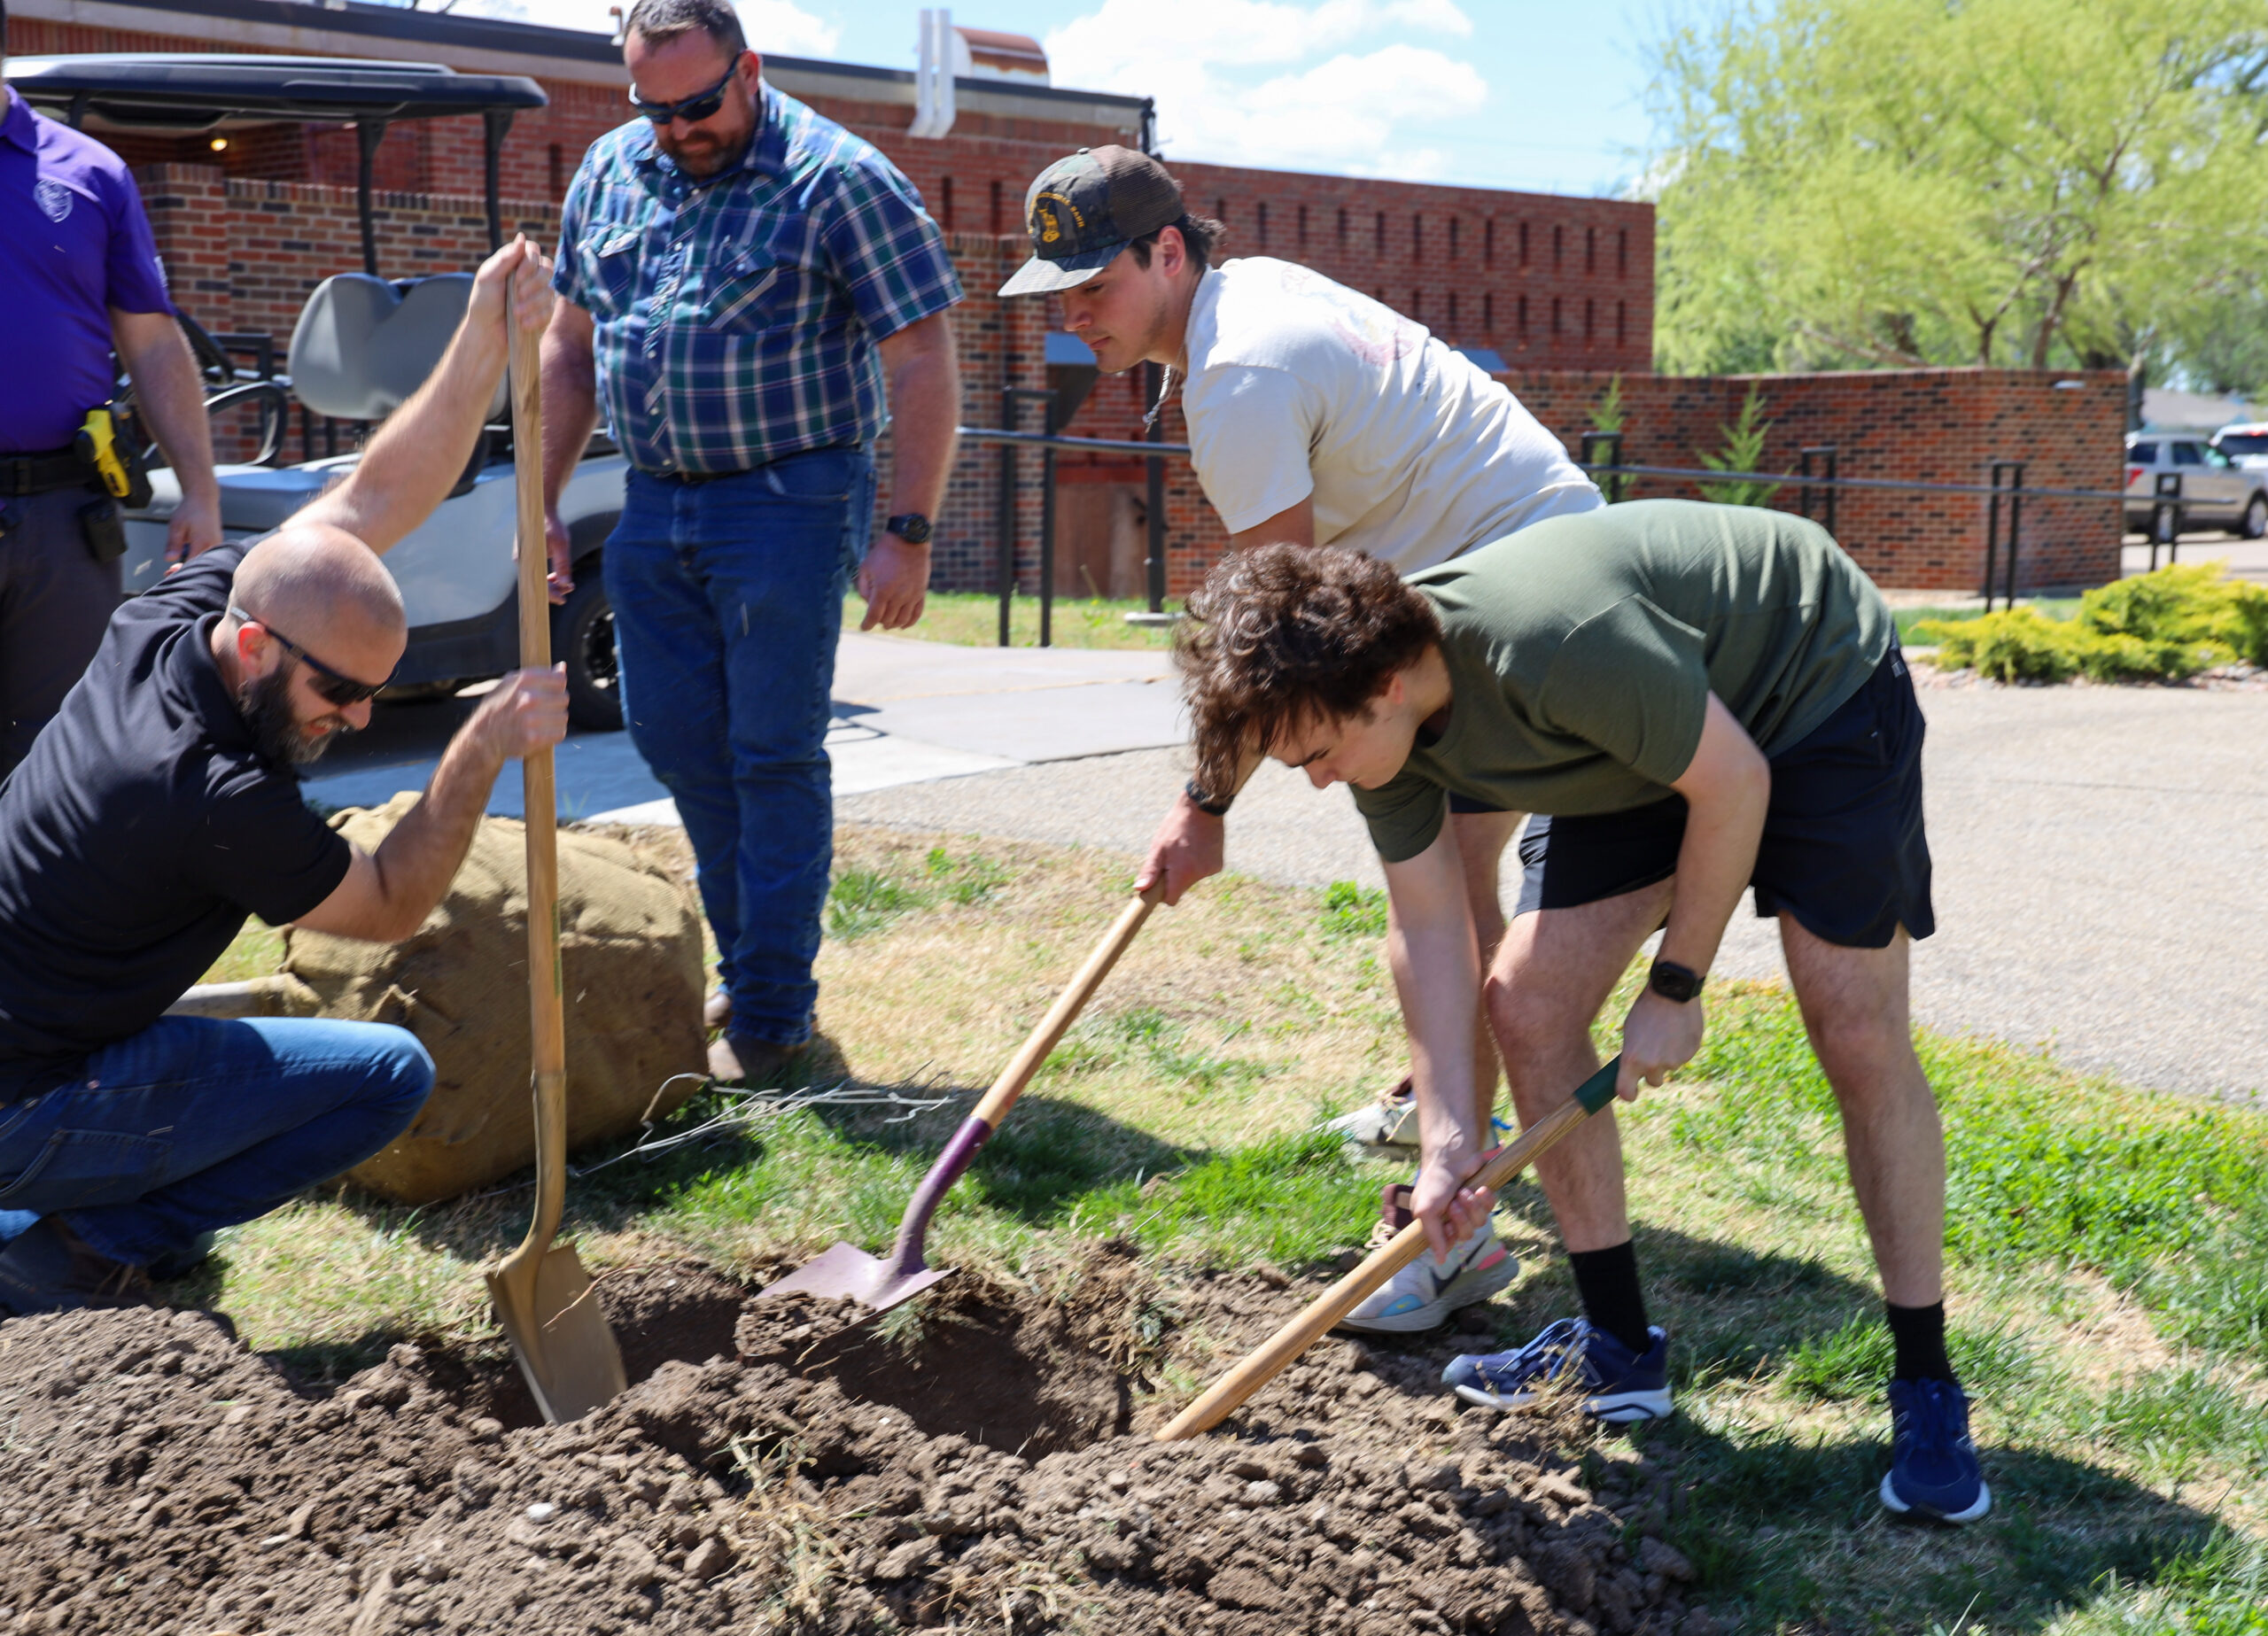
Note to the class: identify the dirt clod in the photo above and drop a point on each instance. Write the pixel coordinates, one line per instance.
(984, 1462)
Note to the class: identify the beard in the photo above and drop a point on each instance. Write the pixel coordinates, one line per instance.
(276, 735)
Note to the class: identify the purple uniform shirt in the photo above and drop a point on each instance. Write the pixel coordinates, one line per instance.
(74, 243)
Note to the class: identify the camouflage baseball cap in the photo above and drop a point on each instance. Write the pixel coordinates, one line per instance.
(1082, 211)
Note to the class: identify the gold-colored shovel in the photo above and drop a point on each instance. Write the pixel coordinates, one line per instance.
(544, 1298)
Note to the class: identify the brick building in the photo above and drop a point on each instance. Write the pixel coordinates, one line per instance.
(1559, 290)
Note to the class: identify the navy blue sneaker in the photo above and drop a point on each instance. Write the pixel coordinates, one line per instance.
(1933, 1469)
(1620, 1386)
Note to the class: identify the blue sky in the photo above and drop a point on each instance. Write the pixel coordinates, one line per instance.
(1495, 93)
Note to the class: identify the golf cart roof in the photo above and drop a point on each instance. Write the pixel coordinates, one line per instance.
(162, 94)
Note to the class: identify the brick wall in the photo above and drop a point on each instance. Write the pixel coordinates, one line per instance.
(1930, 425)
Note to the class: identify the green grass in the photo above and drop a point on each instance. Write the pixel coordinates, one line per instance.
(2109, 1304)
(971, 619)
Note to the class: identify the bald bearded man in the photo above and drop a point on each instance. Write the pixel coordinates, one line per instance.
(161, 807)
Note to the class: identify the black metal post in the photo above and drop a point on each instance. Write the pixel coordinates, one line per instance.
(1991, 534)
(368, 134)
(1047, 526)
(2165, 518)
(1603, 448)
(494, 124)
(1008, 511)
(1825, 451)
(2015, 528)
(1153, 471)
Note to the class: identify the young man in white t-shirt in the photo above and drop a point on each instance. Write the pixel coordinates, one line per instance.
(1317, 416)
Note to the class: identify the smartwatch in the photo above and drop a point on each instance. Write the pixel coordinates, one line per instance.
(910, 526)
(1204, 802)
(1674, 981)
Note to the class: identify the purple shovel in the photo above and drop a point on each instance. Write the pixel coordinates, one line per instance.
(845, 1271)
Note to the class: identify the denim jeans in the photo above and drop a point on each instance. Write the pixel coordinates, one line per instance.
(196, 1123)
(727, 604)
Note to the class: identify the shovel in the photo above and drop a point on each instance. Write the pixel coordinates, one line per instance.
(543, 1297)
(880, 1282)
(1263, 1365)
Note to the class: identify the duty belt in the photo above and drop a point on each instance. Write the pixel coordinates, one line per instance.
(37, 474)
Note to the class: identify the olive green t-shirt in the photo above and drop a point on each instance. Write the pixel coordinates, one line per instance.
(1582, 650)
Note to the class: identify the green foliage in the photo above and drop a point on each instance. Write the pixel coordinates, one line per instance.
(1350, 910)
(1147, 1038)
(864, 901)
(969, 879)
(1742, 451)
(1608, 414)
(2170, 624)
(1866, 182)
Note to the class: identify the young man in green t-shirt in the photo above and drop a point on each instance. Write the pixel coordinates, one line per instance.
(1693, 699)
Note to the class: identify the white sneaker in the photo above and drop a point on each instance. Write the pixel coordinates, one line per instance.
(1423, 1294)
(1387, 1129)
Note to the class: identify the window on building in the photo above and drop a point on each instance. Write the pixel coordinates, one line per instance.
(1342, 227)
(1488, 243)
(996, 227)
(1558, 246)
(1590, 249)
(1523, 244)
(1555, 314)
(1416, 235)
(555, 168)
(1520, 326)
(1260, 218)
(1453, 236)
(1378, 226)
(1303, 227)
(945, 199)
(1220, 209)
(1622, 252)
(1590, 317)
(1488, 313)
(1417, 305)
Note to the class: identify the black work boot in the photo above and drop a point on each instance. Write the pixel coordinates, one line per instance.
(50, 1268)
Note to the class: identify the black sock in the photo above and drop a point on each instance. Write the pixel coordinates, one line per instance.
(1919, 1334)
(1607, 1280)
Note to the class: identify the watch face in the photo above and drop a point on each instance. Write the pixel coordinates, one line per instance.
(913, 528)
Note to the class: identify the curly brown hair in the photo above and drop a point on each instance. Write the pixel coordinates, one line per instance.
(1279, 633)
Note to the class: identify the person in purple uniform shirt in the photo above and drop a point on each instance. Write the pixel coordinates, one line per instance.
(79, 277)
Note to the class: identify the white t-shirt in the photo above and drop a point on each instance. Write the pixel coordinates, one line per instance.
(1298, 386)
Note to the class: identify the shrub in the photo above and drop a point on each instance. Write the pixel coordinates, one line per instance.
(2152, 627)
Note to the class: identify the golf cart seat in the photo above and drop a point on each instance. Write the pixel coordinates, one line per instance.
(363, 345)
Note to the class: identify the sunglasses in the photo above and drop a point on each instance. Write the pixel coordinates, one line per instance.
(692, 110)
(335, 685)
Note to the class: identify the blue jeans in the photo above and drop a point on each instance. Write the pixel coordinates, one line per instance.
(727, 605)
(195, 1124)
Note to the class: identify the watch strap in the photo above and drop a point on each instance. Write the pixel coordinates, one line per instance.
(1674, 981)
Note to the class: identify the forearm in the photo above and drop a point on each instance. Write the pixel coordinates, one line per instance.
(925, 415)
(1714, 863)
(1436, 967)
(571, 410)
(167, 387)
(420, 856)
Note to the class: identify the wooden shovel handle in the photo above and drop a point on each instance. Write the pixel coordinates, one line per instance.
(1221, 1399)
(1067, 1008)
(546, 1001)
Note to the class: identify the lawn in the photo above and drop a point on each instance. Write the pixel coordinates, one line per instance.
(970, 619)
(2109, 1306)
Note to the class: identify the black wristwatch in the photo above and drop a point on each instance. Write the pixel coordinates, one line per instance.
(1204, 802)
(1674, 981)
(910, 526)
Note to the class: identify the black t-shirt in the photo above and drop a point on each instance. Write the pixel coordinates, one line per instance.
(137, 835)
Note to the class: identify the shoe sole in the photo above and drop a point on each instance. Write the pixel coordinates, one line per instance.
(1614, 1408)
(1899, 1507)
(1468, 1289)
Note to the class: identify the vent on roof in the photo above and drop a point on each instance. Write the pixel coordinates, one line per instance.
(949, 53)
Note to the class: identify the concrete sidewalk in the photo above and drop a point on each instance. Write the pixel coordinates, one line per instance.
(905, 712)
(2101, 866)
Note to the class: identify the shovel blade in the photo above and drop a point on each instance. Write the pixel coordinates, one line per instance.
(559, 1333)
(845, 1272)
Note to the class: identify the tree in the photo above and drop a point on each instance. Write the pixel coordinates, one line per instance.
(1853, 183)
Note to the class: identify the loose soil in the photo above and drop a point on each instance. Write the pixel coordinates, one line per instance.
(978, 1460)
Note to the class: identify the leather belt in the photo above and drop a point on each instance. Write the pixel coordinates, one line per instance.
(38, 474)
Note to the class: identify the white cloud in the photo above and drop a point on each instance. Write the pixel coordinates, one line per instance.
(779, 25)
(1268, 82)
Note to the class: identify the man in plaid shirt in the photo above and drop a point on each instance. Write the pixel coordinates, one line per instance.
(753, 291)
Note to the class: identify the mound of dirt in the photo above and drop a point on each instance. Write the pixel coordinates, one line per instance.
(983, 1463)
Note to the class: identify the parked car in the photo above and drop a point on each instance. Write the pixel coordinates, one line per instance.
(2216, 492)
(2245, 444)
(361, 344)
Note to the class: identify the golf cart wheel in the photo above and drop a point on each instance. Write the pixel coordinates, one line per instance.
(2256, 516)
(582, 637)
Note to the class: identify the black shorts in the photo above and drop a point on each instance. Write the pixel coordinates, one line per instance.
(1843, 850)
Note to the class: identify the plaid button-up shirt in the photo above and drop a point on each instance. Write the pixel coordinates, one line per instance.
(735, 318)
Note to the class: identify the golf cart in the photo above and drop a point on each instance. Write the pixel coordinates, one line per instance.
(360, 346)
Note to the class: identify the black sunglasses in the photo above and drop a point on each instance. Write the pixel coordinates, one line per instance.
(692, 110)
(335, 685)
